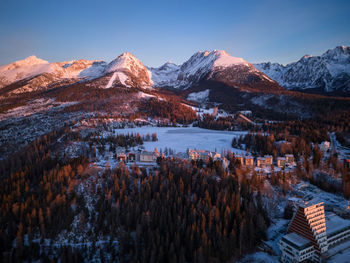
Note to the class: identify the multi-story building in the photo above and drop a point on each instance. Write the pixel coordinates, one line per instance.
(268, 160)
(309, 221)
(239, 158)
(296, 248)
(249, 161)
(311, 234)
(261, 162)
(121, 157)
(289, 158)
(203, 155)
(281, 162)
(148, 157)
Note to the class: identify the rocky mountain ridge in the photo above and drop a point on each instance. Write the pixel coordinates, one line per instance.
(329, 72)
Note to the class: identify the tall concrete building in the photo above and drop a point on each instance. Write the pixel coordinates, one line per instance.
(313, 235)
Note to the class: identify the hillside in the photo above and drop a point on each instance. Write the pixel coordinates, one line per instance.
(328, 73)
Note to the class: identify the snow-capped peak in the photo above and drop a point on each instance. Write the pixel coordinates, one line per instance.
(128, 64)
(306, 57)
(214, 59)
(199, 65)
(223, 59)
(328, 72)
(29, 61)
(125, 61)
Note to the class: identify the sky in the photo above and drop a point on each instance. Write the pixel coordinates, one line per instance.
(160, 31)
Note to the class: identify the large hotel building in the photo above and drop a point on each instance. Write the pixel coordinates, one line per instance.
(312, 236)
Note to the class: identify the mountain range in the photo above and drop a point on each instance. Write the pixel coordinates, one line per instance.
(327, 73)
(206, 77)
(128, 71)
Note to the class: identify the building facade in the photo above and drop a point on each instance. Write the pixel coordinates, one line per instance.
(268, 160)
(203, 155)
(281, 162)
(289, 158)
(148, 157)
(311, 234)
(261, 162)
(249, 161)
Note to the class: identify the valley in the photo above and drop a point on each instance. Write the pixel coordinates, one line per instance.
(197, 162)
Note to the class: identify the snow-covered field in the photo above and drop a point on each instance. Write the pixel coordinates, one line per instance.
(180, 139)
(199, 96)
(34, 106)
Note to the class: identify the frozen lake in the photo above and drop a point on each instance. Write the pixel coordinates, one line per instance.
(180, 139)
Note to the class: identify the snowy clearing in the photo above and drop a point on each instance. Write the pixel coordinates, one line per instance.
(180, 139)
(199, 96)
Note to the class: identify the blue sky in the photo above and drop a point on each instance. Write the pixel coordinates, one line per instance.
(159, 31)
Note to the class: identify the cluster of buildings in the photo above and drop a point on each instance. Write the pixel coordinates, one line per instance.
(313, 236)
(203, 155)
(249, 161)
(137, 156)
(266, 161)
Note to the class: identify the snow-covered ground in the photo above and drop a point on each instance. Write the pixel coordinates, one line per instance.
(199, 96)
(259, 257)
(33, 107)
(343, 256)
(111, 80)
(180, 139)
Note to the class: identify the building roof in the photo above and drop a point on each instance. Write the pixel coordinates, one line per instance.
(296, 241)
(148, 153)
(335, 224)
(310, 203)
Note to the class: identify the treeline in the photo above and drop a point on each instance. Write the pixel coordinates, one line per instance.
(120, 140)
(36, 198)
(171, 109)
(302, 138)
(179, 212)
(209, 121)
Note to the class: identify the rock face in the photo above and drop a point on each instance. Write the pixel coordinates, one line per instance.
(217, 65)
(329, 72)
(37, 74)
(129, 71)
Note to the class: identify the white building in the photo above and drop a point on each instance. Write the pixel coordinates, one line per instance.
(261, 162)
(249, 161)
(290, 158)
(281, 162)
(203, 155)
(311, 234)
(296, 248)
(148, 157)
(268, 160)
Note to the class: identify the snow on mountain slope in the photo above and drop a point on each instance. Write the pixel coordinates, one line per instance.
(21, 69)
(84, 69)
(200, 96)
(217, 65)
(328, 72)
(165, 75)
(130, 70)
(201, 65)
(45, 73)
(111, 80)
